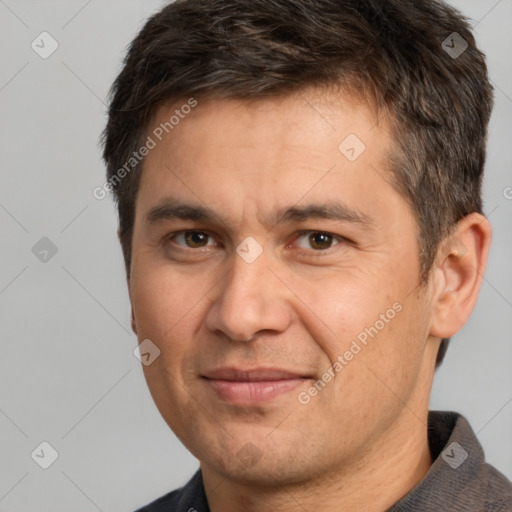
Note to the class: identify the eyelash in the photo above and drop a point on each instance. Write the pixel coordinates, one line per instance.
(310, 252)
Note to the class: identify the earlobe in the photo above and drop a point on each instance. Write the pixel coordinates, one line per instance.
(458, 275)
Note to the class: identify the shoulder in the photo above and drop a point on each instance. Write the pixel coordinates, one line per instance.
(498, 494)
(459, 478)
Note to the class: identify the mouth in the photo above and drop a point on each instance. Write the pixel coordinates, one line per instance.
(247, 387)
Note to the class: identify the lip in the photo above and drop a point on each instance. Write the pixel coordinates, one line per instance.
(247, 387)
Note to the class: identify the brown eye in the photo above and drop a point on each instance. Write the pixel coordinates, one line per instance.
(193, 239)
(317, 240)
(320, 241)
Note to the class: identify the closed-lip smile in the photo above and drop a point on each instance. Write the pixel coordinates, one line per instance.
(254, 386)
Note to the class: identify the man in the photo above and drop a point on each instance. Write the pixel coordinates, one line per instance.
(299, 196)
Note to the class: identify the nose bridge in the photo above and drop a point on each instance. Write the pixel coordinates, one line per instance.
(248, 299)
(250, 275)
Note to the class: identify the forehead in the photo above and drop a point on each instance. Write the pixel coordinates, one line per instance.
(254, 154)
(308, 116)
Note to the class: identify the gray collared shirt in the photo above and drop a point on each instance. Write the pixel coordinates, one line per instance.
(459, 479)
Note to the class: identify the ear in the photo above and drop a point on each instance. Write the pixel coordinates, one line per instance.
(132, 315)
(458, 274)
(134, 325)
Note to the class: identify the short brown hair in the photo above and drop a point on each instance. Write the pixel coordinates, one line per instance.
(416, 59)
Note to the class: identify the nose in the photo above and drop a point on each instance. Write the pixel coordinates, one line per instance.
(249, 300)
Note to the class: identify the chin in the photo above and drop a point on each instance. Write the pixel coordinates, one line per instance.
(262, 464)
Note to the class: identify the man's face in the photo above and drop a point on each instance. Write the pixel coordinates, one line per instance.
(247, 326)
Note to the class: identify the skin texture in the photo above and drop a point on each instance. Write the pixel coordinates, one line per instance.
(360, 443)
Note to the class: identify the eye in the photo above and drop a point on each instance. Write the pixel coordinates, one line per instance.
(317, 240)
(193, 239)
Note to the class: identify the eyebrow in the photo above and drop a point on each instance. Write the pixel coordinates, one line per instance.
(171, 209)
(329, 211)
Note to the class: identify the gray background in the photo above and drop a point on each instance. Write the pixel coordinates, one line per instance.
(68, 375)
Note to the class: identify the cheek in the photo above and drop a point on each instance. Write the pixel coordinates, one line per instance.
(363, 325)
(164, 303)
(338, 308)
(166, 308)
